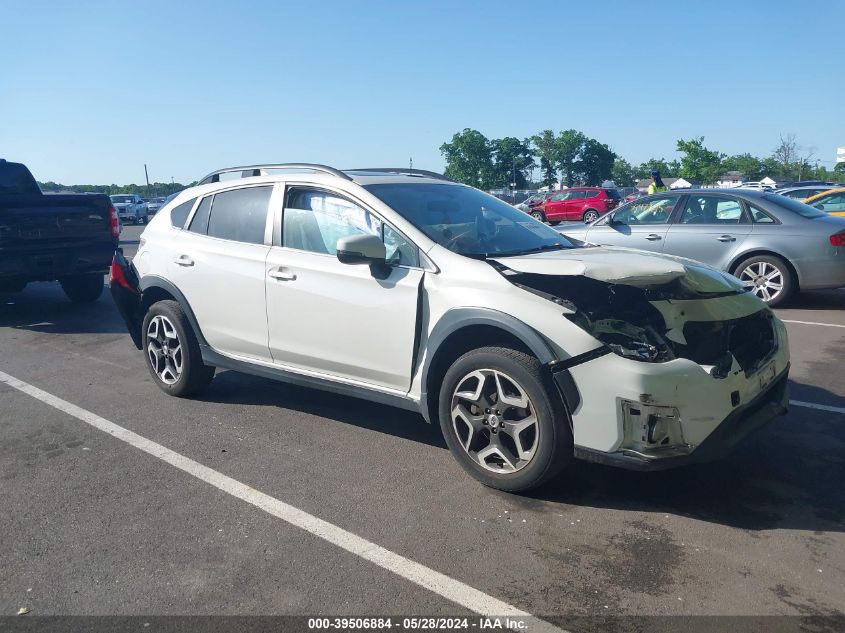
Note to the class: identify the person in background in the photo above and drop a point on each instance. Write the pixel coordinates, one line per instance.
(656, 183)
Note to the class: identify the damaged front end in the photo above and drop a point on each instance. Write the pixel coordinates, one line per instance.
(687, 312)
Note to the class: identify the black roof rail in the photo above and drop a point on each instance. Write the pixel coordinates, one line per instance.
(259, 170)
(402, 171)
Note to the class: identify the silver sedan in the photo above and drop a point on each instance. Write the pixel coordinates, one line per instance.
(774, 244)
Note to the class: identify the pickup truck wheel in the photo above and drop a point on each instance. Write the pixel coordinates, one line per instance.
(172, 351)
(83, 288)
(502, 421)
(141, 221)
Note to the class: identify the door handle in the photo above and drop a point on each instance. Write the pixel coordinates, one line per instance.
(282, 275)
(726, 238)
(653, 237)
(184, 260)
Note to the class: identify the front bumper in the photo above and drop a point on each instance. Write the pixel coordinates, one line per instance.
(742, 422)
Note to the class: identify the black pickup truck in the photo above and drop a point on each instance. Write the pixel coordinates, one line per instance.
(43, 237)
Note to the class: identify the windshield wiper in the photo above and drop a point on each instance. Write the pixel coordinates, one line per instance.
(537, 249)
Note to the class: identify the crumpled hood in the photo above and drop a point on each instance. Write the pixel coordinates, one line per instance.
(624, 266)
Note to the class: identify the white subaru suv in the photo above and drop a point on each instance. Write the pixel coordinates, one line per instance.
(403, 287)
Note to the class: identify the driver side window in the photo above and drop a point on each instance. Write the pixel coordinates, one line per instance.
(647, 211)
(315, 220)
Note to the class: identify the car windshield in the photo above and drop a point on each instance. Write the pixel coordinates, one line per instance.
(121, 198)
(468, 221)
(804, 210)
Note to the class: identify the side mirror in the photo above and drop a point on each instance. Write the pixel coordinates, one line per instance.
(361, 249)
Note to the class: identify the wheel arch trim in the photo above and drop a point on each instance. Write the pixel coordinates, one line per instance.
(459, 318)
(151, 282)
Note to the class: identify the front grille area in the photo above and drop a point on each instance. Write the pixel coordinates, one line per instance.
(750, 340)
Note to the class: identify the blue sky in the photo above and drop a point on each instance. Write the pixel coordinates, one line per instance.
(90, 91)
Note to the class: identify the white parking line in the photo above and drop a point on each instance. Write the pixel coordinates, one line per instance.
(814, 323)
(820, 407)
(449, 588)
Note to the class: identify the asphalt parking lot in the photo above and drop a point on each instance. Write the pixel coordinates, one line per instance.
(93, 525)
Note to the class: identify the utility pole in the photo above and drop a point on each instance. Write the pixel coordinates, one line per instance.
(147, 176)
(513, 184)
(411, 165)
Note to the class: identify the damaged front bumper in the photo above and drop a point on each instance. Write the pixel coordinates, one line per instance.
(742, 422)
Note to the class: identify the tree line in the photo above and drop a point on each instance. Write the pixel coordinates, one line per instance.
(156, 189)
(573, 158)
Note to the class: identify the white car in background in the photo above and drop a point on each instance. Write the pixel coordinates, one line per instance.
(528, 349)
(130, 208)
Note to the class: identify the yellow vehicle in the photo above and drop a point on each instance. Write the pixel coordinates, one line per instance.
(831, 201)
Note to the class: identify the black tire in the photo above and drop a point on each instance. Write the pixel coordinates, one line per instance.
(141, 221)
(195, 375)
(785, 272)
(554, 446)
(83, 288)
(12, 285)
(590, 215)
(538, 215)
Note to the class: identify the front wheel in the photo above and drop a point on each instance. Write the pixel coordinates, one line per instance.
(83, 288)
(768, 277)
(590, 216)
(538, 215)
(173, 353)
(501, 420)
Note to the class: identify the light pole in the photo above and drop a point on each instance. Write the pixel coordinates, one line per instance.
(513, 184)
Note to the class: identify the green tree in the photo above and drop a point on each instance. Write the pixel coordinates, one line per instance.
(469, 159)
(750, 166)
(698, 162)
(623, 173)
(595, 163)
(568, 148)
(543, 146)
(510, 153)
(667, 169)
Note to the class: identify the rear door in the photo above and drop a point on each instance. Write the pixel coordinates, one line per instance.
(641, 224)
(218, 264)
(709, 228)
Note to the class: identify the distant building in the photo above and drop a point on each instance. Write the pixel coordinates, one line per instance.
(731, 179)
(672, 183)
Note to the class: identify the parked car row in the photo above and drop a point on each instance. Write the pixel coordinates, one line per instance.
(775, 244)
(134, 209)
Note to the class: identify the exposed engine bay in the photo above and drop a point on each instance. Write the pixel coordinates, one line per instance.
(662, 322)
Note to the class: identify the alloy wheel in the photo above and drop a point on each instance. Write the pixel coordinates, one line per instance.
(590, 216)
(495, 421)
(164, 349)
(764, 279)
(538, 215)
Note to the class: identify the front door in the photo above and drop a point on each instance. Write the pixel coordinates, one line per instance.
(642, 224)
(342, 320)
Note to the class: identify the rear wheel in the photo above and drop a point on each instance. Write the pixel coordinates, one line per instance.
(141, 220)
(83, 288)
(768, 277)
(172, 351)
(590, 215)
(501, 423)
(538, 215)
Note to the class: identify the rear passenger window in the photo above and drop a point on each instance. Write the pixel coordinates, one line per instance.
(240, 214)
(199, 223)
(592, 194)
(179, 214)
(758, 216)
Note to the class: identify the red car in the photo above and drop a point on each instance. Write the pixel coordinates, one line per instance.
(577, 203)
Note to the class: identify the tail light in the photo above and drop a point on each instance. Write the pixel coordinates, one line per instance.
(838, 239)
(117, 275)
(114, 223)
